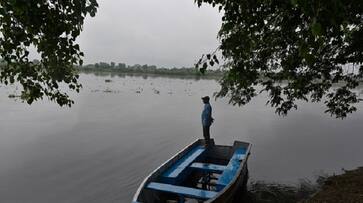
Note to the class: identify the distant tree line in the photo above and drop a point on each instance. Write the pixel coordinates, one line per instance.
(145, 69)
(137, 69)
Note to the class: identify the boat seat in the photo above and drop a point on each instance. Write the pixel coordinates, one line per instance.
(177, 171)
(231, 169)
(182, 191)
(207, 167)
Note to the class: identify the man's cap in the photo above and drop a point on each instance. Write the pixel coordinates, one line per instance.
(205, 98)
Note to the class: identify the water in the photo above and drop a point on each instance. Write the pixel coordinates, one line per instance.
(100, 149)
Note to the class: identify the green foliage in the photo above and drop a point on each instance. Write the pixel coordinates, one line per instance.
(52, 28)
(293, 50)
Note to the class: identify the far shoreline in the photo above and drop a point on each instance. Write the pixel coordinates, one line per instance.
(149, 69)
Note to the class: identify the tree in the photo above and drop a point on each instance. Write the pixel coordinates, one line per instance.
(51, 27)
(294, 50)
(122, 66)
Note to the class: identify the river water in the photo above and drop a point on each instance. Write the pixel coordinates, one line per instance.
(117, 132)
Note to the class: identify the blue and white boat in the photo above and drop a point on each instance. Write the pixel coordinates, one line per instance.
(212, 174)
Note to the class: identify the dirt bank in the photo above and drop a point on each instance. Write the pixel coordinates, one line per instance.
(347, 188)
(344, 188)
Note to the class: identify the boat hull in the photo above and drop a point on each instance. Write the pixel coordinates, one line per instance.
(214, 153)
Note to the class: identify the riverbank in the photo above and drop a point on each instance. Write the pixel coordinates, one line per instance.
(343, 188)
(347, 187)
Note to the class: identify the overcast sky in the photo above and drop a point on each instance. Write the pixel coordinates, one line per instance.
(168, 33)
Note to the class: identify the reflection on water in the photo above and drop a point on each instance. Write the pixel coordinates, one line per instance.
(119, 131)
(150, 75)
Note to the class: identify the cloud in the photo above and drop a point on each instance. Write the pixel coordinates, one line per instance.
(166, 33)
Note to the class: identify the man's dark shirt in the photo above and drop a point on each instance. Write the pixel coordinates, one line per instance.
(207, 115)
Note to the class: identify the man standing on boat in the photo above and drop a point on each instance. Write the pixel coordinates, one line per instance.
(207, 119)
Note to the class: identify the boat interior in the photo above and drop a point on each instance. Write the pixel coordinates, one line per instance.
(196, 174)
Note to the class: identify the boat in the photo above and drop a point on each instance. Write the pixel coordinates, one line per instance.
(199, 173)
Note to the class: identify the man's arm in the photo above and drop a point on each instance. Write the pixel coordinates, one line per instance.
(210, 114)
